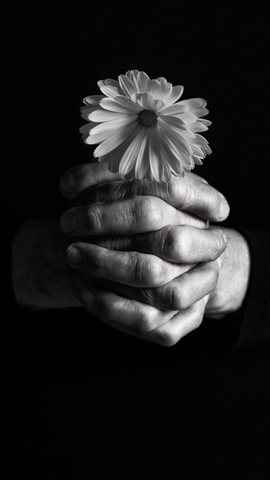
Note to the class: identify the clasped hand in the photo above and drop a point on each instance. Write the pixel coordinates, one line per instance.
(151, 262)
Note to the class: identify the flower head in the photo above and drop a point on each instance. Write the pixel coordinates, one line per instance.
(142, 128)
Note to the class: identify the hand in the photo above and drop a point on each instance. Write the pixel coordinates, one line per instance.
(91, 182)
(42, 279)
(231, 289)
(128, 270)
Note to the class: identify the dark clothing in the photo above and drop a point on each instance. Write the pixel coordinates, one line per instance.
(118, 404)
(122, 403)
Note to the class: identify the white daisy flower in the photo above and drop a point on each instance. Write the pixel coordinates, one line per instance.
(143, 131)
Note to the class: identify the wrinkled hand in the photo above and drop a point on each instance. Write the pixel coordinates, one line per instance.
(143, 256)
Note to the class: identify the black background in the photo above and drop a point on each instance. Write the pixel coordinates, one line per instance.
(218, 50)
(89, 400)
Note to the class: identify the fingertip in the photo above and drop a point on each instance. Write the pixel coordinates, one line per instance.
(88, 297)
(219, 262)
(206, 298)
(65, 185)
(73, 255)
(224, 208)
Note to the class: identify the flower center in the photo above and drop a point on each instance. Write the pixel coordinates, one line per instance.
(147, 118)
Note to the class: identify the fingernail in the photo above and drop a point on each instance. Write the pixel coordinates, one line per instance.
(224, 209)
(88, 297)
(206, 298)
(219, 262)
(225, 238)
(223, 235)
(65, 184)
(68, 223)
(74, 255)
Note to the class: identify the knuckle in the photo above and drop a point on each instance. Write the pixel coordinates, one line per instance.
(176, 245)
(169, 339)
(146, 320)
(106, 312)
(173, 191)
(147, 271)
(163, 337)
(197, 318)
(178, 297)
(147, 211)
(93, 216)
(213, 201)
(216, 246)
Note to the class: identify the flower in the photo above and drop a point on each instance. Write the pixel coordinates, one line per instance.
(143, 131)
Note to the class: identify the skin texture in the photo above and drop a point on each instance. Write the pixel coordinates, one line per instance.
(138, 255)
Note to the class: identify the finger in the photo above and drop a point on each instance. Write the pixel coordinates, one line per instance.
(123, 312)
(178, 326)
(141, 320)
(180, 244)
(81, 177)
(128, 268)
(122, 217)
(180, 293)
(191, 193)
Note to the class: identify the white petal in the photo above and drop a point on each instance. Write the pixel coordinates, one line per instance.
(110, 87)
(130, 156)
(182, 129)
(196, 106)
(173, 121)
(197, 151)
(127, 85)
(205, 122)
(177, 143)
(142, 163)
(85, 129)
(122, 122)
(142, 81)
(147, 101)
(174, 110)
(174, 161)
(86, 111)
(105, 116)
(200, 140)
(116, 155)
(194, 102)
(157, 105)
(167, 89)
(175, 95)
(154, 87)
(110, 91)
(120, 104)
(114, 141)
(93, 99)
(144, 99)
(155, 159)
(197, 160)
(133, 75)
(188, 117)
(102, 132)
(198, 127)
(128, 103)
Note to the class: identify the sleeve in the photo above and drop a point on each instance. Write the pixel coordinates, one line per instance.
(255, 325)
